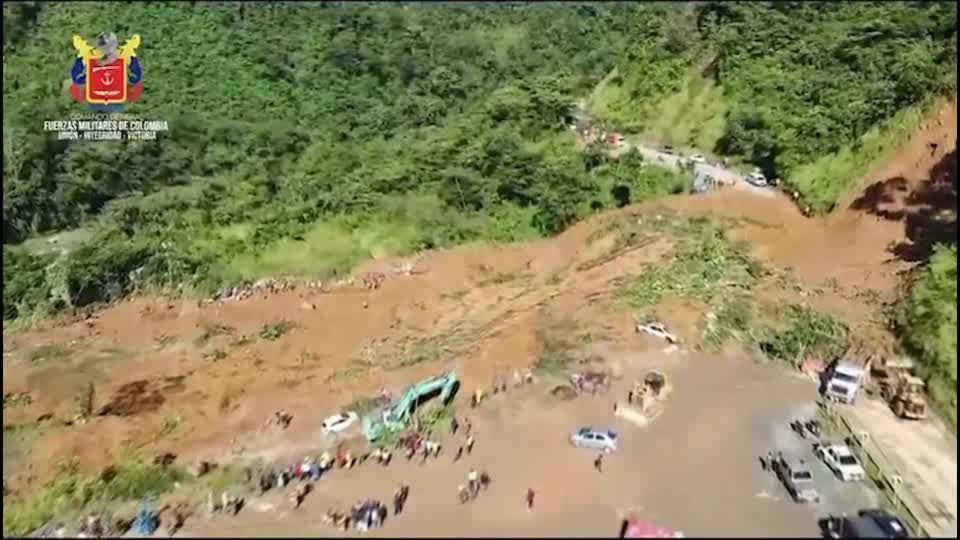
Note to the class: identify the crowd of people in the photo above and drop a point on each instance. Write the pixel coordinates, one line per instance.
(476, 482)
(363, 516)
(299, 477)
(370, 513)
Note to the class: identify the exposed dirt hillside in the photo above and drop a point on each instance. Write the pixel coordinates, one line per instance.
(910, 200)
(200, 379)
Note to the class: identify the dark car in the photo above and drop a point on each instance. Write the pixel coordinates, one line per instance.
(890, 524)
(850, 528)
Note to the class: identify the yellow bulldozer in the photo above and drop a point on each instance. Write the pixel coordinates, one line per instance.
(894, 381)
(649, 393)
(905, 397)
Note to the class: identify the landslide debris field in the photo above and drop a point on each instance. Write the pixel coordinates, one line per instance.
(199, 379)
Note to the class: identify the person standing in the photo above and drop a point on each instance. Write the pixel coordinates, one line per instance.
(469, 445)
(598, 463)
(530, 495)
(473, 481)
(398, 501)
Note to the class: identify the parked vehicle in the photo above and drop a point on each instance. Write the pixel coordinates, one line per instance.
(604, 440)
(890, 524)
(697, 158)
(757, 179)
(657, 329)
(339, 422)
(868, 524)
(841, 461)
(634, 527)
(842, 381)
(797, 478)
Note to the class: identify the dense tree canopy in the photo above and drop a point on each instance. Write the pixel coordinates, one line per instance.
(343, 130)
(448, 120)
(929, 323)
(799, 79)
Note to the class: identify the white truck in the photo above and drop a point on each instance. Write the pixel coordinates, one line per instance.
(841, 461)
(842, 382)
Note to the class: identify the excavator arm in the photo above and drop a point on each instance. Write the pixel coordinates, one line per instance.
(397, 416)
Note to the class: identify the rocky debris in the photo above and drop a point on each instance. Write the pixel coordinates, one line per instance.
(265, 286)
(16, 399)
(200, 469)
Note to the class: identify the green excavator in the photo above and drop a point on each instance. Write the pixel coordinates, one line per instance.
(398, 414)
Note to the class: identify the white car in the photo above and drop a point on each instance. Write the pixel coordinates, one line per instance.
(841, 461)
(757, 179)
(339, 422)
(657, 329)
(697, 158)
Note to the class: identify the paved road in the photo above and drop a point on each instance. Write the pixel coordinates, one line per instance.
(836, 497)
(924, 453)
(724, 175)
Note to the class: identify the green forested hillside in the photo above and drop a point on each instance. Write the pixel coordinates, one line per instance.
(352, 129)
(929, 324)
(799, 80)
(306, 137)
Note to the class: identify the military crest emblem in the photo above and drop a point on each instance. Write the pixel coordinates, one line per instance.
(106, 76)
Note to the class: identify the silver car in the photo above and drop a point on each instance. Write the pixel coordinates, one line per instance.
(595, 439)
(757, 179)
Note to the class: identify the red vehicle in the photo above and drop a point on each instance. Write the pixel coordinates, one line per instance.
(634, 527)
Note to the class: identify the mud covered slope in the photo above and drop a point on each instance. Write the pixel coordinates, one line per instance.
(192, 378)
(904, 206)
(914, 194)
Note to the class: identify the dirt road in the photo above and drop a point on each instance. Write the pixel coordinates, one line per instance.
(694, 468)
(723, 175)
